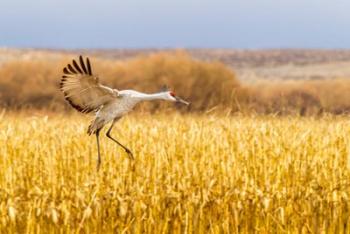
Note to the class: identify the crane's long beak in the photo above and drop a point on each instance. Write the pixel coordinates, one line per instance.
(178, 99)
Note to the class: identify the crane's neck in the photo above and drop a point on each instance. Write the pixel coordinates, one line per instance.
(144, 96)
(152, 96)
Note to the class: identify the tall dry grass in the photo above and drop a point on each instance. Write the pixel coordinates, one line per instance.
(201, 174)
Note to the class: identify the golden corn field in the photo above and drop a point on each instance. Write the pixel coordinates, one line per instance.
(191, 174)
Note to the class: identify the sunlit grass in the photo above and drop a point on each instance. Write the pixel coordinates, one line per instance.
(203, 174)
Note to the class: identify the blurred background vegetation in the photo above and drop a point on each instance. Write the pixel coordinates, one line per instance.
(31, 82)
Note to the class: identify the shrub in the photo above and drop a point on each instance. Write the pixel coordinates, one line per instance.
(205, 84)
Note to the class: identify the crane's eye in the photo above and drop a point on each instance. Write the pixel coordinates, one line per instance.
(172, 94)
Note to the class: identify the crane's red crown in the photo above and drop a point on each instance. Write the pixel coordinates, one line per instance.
(172, 93)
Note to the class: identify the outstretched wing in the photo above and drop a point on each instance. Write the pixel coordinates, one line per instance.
(82, 89)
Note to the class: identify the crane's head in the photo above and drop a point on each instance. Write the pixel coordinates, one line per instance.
(171, 96)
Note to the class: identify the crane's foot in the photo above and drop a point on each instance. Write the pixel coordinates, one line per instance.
(131, 156)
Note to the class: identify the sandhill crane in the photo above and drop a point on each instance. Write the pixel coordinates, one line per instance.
(83, 91)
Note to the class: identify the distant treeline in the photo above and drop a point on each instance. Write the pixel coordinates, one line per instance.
(208, 85)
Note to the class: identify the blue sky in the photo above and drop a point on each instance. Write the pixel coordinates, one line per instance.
(178, 24)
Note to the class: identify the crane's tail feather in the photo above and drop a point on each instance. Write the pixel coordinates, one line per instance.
(95, 125)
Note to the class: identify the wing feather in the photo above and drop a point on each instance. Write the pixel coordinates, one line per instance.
(71, 69)
(82, 89)
(65, 71)
(76, 66)
(82, 64)
(88, 66)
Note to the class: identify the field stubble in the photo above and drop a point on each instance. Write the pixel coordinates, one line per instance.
(192, 173)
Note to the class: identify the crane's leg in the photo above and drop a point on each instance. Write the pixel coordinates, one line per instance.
(108, 134)
(98, 149)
